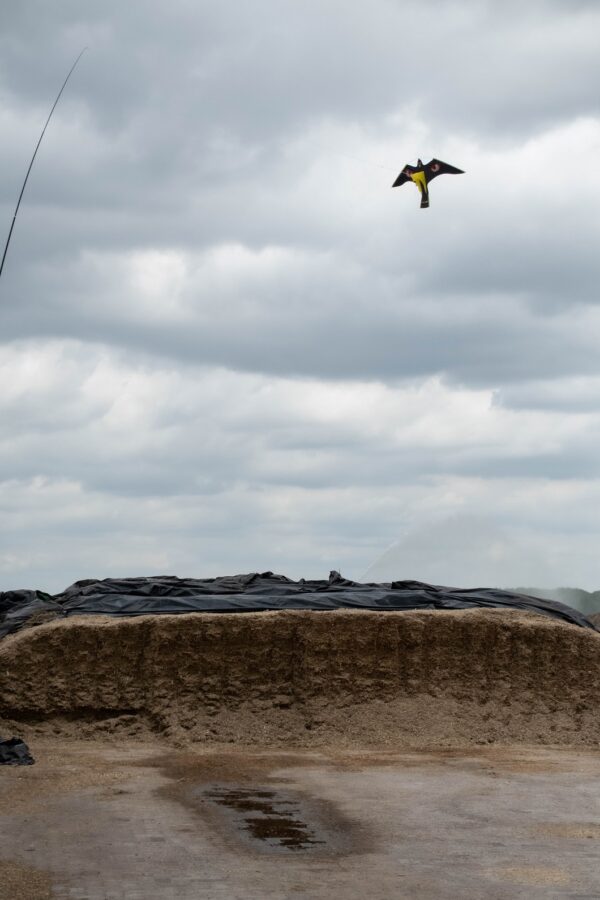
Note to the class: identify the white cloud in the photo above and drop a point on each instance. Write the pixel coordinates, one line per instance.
(227, 343)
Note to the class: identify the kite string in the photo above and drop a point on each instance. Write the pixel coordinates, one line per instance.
(37, 146)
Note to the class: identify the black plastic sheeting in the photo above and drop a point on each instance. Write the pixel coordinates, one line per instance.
(254, 593)
(15, 752)
(18, 607)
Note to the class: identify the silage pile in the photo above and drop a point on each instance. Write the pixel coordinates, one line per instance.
(297, 678)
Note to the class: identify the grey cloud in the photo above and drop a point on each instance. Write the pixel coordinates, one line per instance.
(330, 326)
(567, 395)
(190, 130)
(181, 72)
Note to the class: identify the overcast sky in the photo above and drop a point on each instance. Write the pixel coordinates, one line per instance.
(227, 345)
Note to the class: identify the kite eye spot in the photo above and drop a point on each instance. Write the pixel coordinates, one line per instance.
(435, 168)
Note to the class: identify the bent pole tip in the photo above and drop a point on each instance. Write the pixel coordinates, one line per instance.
(37, 147)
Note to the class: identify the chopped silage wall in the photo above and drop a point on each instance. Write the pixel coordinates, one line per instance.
(308, 678)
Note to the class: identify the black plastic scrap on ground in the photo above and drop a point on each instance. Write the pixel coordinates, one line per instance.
(254, 593)
(15, 752)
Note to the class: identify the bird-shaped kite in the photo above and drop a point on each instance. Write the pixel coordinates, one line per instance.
(422, 174)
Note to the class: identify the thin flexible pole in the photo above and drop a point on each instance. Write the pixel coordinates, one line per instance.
(37, 147)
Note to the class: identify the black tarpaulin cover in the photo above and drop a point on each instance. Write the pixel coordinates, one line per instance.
(15, 752)
(18, 607)
(254, 593)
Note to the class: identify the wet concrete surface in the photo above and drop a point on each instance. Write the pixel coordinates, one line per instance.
(270, 819)
(101, 820)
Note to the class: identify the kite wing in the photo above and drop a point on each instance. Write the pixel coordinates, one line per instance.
(436, 167)
(404, 176)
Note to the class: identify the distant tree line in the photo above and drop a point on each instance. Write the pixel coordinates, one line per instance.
(586, 601)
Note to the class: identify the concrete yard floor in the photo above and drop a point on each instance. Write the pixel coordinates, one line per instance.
(100, 820)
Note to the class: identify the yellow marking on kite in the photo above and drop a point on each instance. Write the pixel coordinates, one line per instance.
(420, 181)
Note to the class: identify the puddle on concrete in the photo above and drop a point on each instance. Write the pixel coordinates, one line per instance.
(268, 816)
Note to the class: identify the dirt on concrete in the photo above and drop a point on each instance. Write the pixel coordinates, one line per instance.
(125, 820)
(23, 881)
(307, 679)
